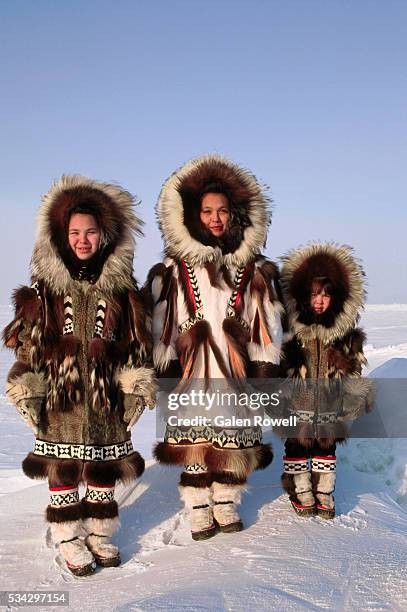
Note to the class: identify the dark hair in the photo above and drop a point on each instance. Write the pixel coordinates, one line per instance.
(216, 187)
(85, 208)
(321, 284)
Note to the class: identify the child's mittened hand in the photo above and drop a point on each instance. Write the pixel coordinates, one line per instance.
(133, 409)
(30, 411)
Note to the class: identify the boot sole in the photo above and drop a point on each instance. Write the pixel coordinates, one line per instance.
(108, 562)
(232, 527)
(323, 513)
(303, 511)
(205, 534)
(86, 570)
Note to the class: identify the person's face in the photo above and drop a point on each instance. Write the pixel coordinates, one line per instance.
(320, 302)
(83, 235)
(214, 213)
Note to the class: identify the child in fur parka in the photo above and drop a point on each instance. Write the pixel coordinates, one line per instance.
(83, 375)
(323, 288)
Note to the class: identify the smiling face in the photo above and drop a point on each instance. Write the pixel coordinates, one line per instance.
(83, 235)
(214, 213)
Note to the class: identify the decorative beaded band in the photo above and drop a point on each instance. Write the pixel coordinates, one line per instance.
(86, 452)
(99, 493)
(324, 464)
(295, 466)
(195, 468)
(63, 496)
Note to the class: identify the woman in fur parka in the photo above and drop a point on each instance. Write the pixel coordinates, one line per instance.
(216, 317)
(323, 288)
(83, 372)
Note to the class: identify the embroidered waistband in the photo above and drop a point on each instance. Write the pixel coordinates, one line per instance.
(86, 452)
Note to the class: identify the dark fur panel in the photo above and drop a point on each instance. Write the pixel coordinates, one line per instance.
(173, 370)
(100, 510)
(237, 338)
(201, 481)
(61, 347)
(228, 478)
(213, 274)
(265, 456)
(294, 357)
(262, 369)
(27, 303)
(180, 454)
(60, 471)
(106, 472)
(63, 514)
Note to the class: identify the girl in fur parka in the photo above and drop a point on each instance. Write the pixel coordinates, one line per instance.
(323, 287)
(83, 374)
(215, 316)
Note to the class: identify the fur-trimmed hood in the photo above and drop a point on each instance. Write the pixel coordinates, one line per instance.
(113, 208)
(345, 273)
(178, 213)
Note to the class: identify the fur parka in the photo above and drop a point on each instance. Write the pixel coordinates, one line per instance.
(323, 354)
(82, 338)
(216, 313)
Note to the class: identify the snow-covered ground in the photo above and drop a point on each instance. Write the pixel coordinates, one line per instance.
(279, 562)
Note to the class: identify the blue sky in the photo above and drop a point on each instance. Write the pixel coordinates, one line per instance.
(311, 96)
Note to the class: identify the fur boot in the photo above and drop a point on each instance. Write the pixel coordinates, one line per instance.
(101, 521)
(296, 480)
(225, 499)
(98, 541)
(197, 501)
(78, 558)
(323, 485)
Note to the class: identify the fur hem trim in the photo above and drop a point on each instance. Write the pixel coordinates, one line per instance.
(180, 454)
(63, 514)
(139, 381)
(178, 240)
(340, 265)
(47, 264)
(240, 462)
(59, 471)
(195, 480)
(73, 471)
(105, 472)
(228, 478)
(95, 510)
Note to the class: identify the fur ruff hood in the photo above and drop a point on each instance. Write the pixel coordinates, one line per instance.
(114, 211)
(178, 213)
(338, 264)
